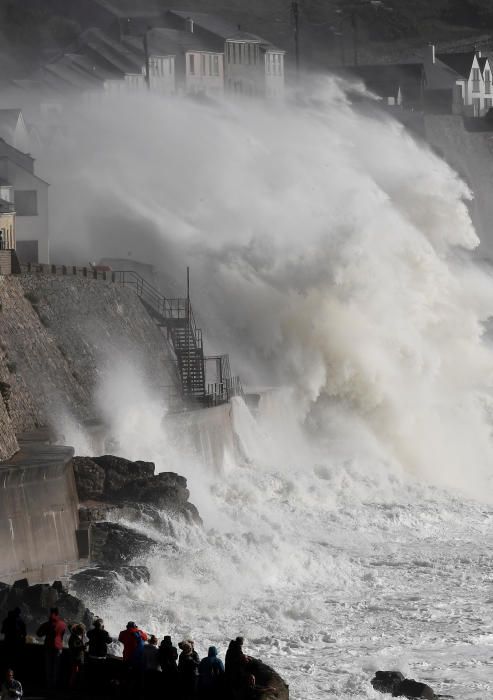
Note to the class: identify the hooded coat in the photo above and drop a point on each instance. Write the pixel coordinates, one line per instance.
(211, 669)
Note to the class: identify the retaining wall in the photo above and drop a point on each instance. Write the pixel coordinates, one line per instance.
(38, 514)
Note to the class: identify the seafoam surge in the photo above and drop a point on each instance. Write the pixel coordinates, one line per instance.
(330, 257)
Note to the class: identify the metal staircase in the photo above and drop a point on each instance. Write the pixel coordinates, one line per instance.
(175, 315)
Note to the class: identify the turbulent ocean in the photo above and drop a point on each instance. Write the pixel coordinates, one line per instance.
(331, 256)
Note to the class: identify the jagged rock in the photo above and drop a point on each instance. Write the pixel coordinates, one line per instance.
(163, 490)
(41, 596)
(393, 682)
(89, 478)
(114, 544)
(22, 583)
(101, 581)
(120, 472)
(35, 602)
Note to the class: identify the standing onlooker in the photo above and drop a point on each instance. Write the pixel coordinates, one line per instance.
(168, 656)
(77, 648)
(98, 649)
(14, 631)
(98, 641)
(151, 667)
(211, 675)
(11, 689)
(187, 671)
(53, 631)
(133, 640)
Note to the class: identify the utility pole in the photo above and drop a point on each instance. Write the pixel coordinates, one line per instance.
(295, 11)
(354, 27)
(147, 61)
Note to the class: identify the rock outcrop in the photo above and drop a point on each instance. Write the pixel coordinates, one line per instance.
(35, 602)
(112, 489)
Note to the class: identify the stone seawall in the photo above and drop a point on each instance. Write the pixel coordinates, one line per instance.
(38, 514)
(57, 334)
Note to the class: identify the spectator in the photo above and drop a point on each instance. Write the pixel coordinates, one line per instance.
(14, 631)
(98, 641)
(133, 640)
(11, 689)
(211, 675)
(53, 631)
(236, 663)
(77, 648)
(187, 671)
(168, 655)
(151, 667)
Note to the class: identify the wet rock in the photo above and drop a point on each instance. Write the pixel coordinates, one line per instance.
(35, 602)
(22, 584)
(163, 490)
(114, 544)
(393, 682)
(120, 472)
(89, 478)
(101, 582)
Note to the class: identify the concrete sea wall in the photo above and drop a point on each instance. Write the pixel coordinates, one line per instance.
(38, 514)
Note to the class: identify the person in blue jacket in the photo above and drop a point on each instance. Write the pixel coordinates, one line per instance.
(211, 675)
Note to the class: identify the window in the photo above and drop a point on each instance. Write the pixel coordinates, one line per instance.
(488, 103)
(267, 63)
(487, 82)
(192, 64)
(476, 106)
(203, 57)
(26, 202)
(216, 65)
(475, 79)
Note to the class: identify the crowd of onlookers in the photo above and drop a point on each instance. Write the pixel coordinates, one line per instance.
(149, 668)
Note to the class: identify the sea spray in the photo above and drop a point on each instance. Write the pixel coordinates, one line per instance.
(329, 256)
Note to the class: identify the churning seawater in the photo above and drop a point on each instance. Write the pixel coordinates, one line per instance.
(330, 256)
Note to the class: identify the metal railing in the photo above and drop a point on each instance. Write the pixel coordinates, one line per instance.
(170, 309)
(175, 313)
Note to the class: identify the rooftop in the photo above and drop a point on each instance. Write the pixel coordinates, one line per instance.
(460, 63)
(131, 8)
(216, 25)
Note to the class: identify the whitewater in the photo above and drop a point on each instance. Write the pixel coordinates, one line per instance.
(330, 255)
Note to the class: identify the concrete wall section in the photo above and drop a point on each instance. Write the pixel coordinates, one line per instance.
(38, 514)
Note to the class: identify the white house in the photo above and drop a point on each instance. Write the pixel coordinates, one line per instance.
(253, 66)
(30, 202)
(467, 75)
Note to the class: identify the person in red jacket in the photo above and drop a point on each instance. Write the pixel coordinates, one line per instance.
(133, 640)
(52, 630)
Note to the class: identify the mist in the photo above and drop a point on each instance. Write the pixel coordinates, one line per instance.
(329, 253)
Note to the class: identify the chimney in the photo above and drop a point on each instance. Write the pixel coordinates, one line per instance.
(431, 54)
(478, 53)
(189, 24)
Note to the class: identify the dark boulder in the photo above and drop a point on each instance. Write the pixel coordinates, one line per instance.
(35, 602)
(266, 677)
(89, 478)
(101, 582)
(21, 584)
(386, 681)
(120, 472)
(163, 490)
(113, 545)
(409, 688)
(393, 682)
